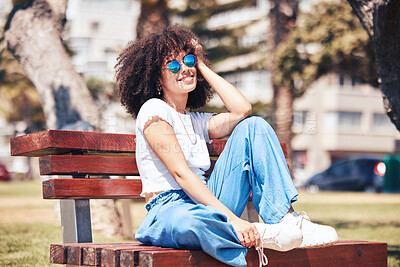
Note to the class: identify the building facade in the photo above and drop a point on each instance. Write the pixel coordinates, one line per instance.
(338, 118)
(97, 31)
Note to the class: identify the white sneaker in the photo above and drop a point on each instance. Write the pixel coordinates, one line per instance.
(282, 236)
(314, 235)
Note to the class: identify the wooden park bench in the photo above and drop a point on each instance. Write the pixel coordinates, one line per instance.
(86, 154)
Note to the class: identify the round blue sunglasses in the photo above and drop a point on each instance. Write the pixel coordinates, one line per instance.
(175, 66)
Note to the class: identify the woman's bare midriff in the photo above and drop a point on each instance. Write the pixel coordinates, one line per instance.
(149, 196)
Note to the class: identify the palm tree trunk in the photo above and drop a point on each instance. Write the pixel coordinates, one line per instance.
(153, 17)
(284, 118)
(283, 16)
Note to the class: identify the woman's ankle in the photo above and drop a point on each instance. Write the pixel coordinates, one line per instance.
(288, 213)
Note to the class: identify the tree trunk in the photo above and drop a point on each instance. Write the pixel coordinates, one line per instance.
(33, 35)
(381, 20)
(153, 17)
(282, 16)
(284, 118)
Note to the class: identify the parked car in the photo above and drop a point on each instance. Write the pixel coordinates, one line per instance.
(4, 174)
(351, 174)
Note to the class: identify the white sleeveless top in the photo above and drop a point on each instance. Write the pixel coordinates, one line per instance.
(154, 175)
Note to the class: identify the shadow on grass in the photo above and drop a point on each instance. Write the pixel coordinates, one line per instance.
(394, 251)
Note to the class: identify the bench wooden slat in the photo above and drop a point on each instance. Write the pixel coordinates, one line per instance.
(354, 253)
(130, 257)
(58, 142)
(94, 165)
(112, 257)
(91, 252)
(88, 254)
(61, 142)
(58, 254)
(343, 253)
(91, 188)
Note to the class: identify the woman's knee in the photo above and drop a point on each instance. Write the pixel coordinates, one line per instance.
(253, 122)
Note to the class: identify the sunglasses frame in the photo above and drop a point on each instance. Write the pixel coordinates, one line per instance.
(175, 69)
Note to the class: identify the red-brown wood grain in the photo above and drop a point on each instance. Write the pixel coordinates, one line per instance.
(56, 142)
(95, 165)
(129, 257)
(60, 142)
(91, 188)
(354, 253)
(111, 256)
(343, 253)
(91, 252)
(88, 254)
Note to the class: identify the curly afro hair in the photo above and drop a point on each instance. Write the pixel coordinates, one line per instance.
(138, 68)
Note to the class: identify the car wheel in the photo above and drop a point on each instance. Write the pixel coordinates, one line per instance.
(313, 188)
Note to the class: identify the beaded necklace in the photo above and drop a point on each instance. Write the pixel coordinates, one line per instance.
(184, 126)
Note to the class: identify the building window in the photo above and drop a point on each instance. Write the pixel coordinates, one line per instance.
(343, 121)
(353, 81)
(349, 120)
(347, 81)
(94, 26)
(299, 121)
(341, 80)
(381, 122)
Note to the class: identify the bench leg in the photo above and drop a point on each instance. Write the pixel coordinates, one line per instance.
(75, 221)
(127, 217)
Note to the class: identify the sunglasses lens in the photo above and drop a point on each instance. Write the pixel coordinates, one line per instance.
(190, 60)
(174, 67)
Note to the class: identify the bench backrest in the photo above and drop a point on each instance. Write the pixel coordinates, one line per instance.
(86, 155)
(89, 155)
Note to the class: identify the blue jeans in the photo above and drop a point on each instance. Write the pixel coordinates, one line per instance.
(252, 161)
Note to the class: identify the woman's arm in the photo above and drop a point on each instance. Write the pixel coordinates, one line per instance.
(238, 107)
(162, 140)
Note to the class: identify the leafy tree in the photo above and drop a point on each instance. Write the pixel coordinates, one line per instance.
(19, 99)
(381, 20)
(221, 42)
(330, 39)
(100, 89)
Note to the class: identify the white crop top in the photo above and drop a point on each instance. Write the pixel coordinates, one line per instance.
(154, 175)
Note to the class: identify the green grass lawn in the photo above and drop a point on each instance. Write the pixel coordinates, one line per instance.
(28, 224)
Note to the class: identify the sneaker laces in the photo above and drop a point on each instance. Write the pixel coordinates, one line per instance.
(302, 216)
(262, 258)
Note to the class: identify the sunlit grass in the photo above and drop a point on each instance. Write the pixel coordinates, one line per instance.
(28, 224)
(357, 216)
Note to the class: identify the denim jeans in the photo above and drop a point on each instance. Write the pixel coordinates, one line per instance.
(252, 161)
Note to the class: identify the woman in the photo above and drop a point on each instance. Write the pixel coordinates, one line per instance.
(159, 78)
